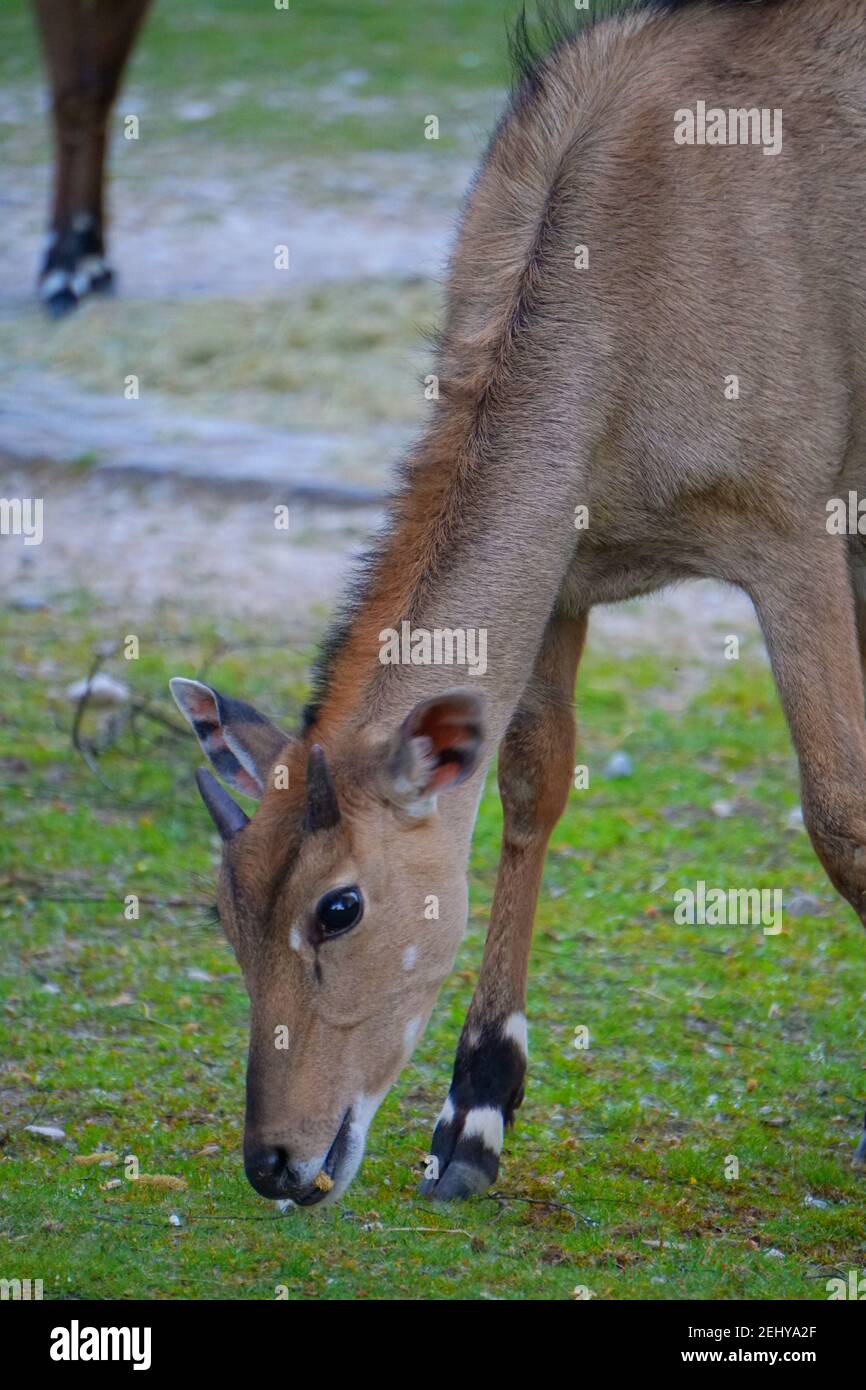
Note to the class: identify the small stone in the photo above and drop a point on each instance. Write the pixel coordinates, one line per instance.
(52, 1132)
(30, 603)
(195, 110)
(773, 1254)
(810, 1201)
(723, 810)
(175, 1220)
(103, 690)
(803, 905)
(619, 765)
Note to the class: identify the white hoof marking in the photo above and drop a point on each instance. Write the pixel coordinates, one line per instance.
(485, 1123)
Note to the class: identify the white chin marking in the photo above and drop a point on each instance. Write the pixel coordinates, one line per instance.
(295, 939)
(514, 1028)
(363, 1110)
(410, 955)
(410, 1032)
(485, 1123)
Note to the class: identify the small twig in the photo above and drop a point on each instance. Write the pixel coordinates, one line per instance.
(424, 1230)
(78, 745)
(102, 898)
(187, 1220)
(553, 1205)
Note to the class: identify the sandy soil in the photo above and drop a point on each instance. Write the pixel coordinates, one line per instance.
(138, 543)
(154, 526)
(193, 232)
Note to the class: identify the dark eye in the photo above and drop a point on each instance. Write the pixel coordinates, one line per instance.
(339, 910)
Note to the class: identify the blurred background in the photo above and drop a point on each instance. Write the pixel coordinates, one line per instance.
(259, 129)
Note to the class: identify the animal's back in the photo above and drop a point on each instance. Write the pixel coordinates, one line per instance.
(703, 262)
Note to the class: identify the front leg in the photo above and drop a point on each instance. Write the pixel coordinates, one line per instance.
(536, 760)
(86, 47)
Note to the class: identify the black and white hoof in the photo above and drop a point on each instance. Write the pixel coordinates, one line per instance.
(859, 1159)
(486, 1089)
(100, 278)
(74, 267)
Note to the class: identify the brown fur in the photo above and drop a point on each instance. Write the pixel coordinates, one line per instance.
(603, 388)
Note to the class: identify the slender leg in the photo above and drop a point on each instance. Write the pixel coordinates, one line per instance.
(114, 28)
(536, 765)
(807, 612)
(61, 28)
(86, 44)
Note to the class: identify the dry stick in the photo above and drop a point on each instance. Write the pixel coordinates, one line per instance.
(187, 1220)
(77, 744)
(549, 1202)
(101, 898)
(85, 752)
(423, 1230)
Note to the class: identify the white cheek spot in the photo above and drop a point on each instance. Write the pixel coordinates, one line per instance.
(514, 1028)
(410, 955)
(485, 1123)
(446, 1114)
(410, 1032)
(295, 939)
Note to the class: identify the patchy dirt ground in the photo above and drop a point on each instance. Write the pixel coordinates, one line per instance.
(179, 509)
(136, 544)
(200, 232)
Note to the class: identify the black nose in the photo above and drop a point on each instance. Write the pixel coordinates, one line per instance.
(269, 1172)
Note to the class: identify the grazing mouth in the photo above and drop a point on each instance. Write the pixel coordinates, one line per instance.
(336, 1153)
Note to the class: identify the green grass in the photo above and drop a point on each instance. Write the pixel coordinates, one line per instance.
(325, 77)
(705, 1042)
(340, 356)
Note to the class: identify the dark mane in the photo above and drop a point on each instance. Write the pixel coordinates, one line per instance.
(338, 628)
(530, 48)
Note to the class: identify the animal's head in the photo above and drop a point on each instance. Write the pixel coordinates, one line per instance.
(344, 899)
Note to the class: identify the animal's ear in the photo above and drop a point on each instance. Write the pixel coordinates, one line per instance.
(436, 746)
(240, 743)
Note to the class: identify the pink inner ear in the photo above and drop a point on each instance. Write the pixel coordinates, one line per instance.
(449, 725)
(200, 704)
(202, 708)
(443, 776)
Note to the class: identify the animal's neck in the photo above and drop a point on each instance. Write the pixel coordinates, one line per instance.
(476, 554)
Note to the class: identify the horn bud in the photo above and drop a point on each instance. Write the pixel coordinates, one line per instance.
(226, 814)
(323, 811)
